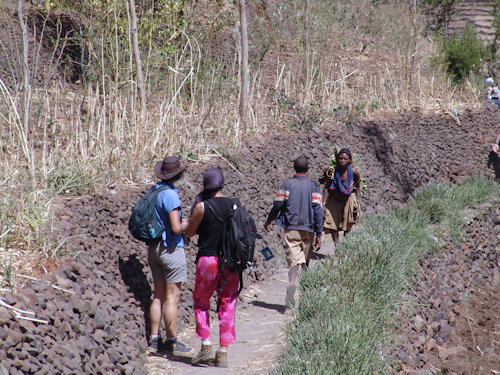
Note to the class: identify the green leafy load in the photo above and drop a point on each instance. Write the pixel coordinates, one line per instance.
(330, 171)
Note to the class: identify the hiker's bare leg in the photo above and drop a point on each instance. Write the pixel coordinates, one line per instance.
(293, 273)
(170, 310)
(335, 236)
(156, 305)
(335, 240)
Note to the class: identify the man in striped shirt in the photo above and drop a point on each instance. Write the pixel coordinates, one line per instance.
(297, 208)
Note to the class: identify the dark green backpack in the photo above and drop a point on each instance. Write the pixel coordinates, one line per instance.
(143, 224)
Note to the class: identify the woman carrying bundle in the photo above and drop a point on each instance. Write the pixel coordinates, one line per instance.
(341, 206)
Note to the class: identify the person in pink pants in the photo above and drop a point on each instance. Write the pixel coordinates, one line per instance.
(208, 280)
(210, 205)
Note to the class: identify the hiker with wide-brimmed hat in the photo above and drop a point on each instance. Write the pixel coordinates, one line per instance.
(167, 259)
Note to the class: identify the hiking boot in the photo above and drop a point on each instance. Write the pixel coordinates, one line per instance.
(204, 355)
(154, 344)
(221, 359)
(177, 348)
(290, 293)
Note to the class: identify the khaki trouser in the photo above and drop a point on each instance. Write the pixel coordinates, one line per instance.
(299, 246)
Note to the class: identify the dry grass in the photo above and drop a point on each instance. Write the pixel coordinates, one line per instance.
(370, 64)
(85, 136)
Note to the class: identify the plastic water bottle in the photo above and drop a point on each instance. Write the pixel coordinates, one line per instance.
(151, 231)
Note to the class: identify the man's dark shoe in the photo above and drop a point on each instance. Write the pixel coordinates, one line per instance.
(178, 349)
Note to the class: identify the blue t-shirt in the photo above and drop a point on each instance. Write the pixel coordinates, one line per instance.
(167, 201)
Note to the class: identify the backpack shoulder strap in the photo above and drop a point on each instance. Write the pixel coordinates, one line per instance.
(215, 211)
(161, 188)
(156, 191)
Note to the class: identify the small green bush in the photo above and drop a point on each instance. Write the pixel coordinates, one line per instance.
(463, 56)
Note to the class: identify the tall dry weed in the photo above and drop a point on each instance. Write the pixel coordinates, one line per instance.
(364, 62)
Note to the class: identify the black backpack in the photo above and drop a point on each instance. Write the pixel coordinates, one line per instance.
(238, 241)
(143, 224)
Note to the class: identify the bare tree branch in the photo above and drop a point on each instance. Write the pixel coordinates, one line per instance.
(245, 84)
(138, 62)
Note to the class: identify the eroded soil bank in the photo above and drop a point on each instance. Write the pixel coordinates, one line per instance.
(96, 315)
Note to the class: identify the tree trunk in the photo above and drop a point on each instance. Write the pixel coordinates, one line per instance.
(138, 63)
(25, 100)
(24, 129)
(307, 51)
(245, 85)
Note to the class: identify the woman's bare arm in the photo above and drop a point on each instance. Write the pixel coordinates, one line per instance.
(175, 222)
(325, 195)
(195, 219)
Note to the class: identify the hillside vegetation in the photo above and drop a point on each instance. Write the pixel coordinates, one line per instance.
(70, 116)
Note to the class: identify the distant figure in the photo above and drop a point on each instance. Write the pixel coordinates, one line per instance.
(297, 208)
(210, 205)
(492, 92)
(494, 157)
(494, 146)
(494, 161)
(167, 260)
(341, 196)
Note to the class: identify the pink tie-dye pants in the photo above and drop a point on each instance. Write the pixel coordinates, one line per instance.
(207, 281)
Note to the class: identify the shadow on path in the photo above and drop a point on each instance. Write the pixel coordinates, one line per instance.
(272, 306)
(318, 256)
(163, 354)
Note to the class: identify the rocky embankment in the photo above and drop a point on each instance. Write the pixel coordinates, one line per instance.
(453, 327)
(94, 306)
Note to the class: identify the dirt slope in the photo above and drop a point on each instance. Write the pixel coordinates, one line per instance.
(96, 315)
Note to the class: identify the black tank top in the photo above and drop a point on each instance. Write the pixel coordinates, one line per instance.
(210, 229)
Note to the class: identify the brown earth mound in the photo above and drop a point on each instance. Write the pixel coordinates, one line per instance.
(96, 303)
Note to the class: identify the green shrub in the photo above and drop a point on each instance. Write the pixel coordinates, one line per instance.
(443, 204)
(463, 56)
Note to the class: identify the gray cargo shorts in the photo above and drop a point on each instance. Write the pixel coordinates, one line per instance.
(166, 263)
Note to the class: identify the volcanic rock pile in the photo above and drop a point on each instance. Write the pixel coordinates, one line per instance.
(456, 297)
